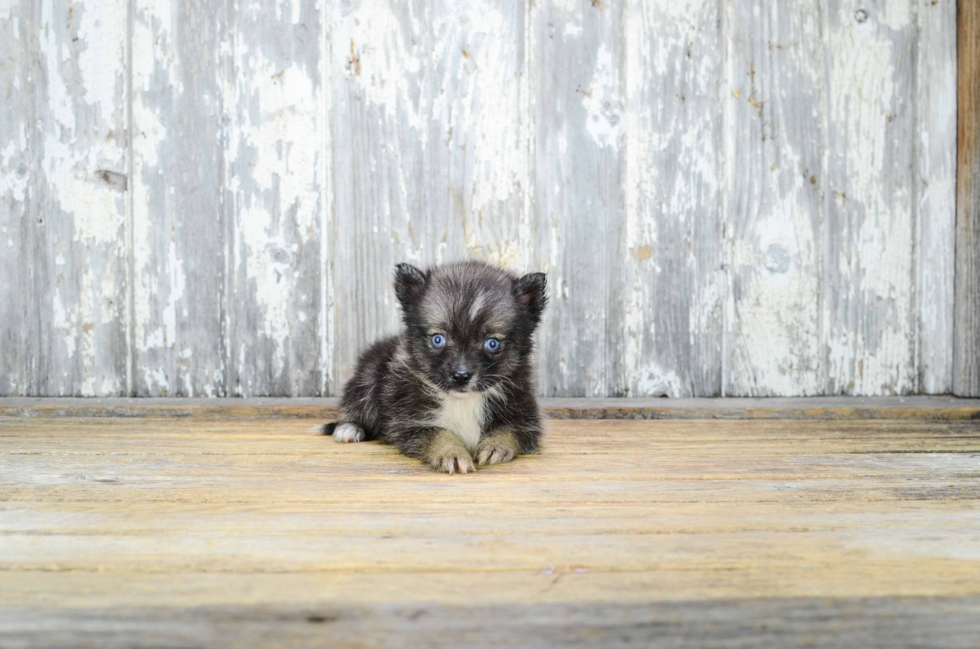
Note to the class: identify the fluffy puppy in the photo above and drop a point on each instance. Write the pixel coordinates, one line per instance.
(457, 385)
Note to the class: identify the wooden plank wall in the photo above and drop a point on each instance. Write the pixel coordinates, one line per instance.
(731, 197)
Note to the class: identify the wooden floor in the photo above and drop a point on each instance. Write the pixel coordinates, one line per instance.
(198, 532)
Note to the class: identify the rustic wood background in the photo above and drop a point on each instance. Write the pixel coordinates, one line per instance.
(731, 197)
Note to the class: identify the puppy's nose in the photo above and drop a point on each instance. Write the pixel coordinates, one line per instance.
(461, 377)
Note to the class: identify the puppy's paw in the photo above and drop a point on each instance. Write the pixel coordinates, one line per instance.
(456, 463)
(446, 453)
(497, 448)
(347, 433)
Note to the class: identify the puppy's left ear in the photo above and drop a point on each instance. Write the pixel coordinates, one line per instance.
(409, 284)
(531, 292)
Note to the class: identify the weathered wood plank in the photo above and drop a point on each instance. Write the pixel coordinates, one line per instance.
(673, 283)
(805, 621)
(180, 224)
(577, 58)
(429, 153)
(79, 258)
(776, 142)
(476, 140)
(836, 408)
(869, 324)
(966, 346)
(377, 123)
(342, 518)
(18, 318)
(935, 191)
(116, 527)
(274, 156)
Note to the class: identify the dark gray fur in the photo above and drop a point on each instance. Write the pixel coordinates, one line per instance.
(395, 388)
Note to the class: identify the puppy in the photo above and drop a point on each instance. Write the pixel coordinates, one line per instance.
(456, 386)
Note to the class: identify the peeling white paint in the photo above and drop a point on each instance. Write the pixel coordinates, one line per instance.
(6, 8)
(875, 264)
(374, 50)
(448, 101)
(100, 55)
(12, 184)
(656, 382)
(602, 101)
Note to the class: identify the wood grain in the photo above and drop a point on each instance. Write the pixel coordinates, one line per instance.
(578, 90)
(78, 265)
(966, 356)
(935, 196)
(673, 253)
(805, 621)
(869, 332)
(181, 226)
(164, 531)
(275, 151)
(18, 205)
(776, 143)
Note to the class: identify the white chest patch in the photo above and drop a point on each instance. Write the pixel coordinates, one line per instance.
(463, 415)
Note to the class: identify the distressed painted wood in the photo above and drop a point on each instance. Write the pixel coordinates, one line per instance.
(730, 198)
(181, 224)
(934, 148)
(275, 151)
(79, 214)
(579, 128)
(870, 327)
(672, 255)
(429, 151)
(966, 355)
(117, 526)
(18, 317)
(775, 118)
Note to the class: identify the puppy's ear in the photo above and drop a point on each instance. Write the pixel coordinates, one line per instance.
(409, 284)
(531, 293)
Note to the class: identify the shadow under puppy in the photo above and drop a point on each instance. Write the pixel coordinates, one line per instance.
(457, 384)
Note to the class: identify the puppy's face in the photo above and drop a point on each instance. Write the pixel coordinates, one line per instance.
(469, 325)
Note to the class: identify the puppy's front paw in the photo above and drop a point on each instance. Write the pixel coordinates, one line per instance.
(461, 463)
(447, 453)
(497, 448)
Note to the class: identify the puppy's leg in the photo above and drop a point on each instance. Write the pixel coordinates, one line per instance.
(497, 447)
(444, 451)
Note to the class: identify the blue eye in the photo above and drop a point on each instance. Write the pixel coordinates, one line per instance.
(438, 340)
(491, 345)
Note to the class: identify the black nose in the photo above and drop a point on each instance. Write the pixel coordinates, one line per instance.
(461, 377)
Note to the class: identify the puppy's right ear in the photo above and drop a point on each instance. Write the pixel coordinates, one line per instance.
(409, 284)
(531, 292)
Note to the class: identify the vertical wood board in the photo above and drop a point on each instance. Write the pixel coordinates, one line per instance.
(776, 141)
(672, 255)
(180, 224)
(79, 256)
(274, 151)
(966, 349)
(869, 324)
(579, 133)
(934, 147)
(17, 187)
